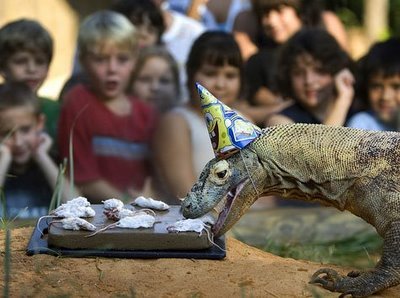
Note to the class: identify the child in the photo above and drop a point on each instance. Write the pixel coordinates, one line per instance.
(156, 78)
(109, 130)
(27, 173)
(26, 50)
(146, 16)
(380, 85)
(313, 71)
(274, 22)
(181, 145)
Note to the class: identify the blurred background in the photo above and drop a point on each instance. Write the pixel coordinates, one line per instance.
(366, 21)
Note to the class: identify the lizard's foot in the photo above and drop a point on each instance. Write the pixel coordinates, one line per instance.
(355, 284)
(360, 284)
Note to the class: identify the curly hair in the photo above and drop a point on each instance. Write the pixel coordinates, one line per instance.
(317, 43)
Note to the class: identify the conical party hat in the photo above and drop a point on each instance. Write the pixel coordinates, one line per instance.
(229, 131)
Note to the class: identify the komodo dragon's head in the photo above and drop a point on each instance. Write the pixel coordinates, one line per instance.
(226, 189)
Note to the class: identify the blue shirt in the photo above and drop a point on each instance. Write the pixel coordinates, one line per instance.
(369, 121)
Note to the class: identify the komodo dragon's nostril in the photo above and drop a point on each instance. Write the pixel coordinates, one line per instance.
(187, 206)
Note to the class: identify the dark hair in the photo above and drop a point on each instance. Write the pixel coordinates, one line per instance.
(18, 94)
(309, 11)
(142, 12)
(215, 48)
(317, 43)
(24, 34)
(383, 58)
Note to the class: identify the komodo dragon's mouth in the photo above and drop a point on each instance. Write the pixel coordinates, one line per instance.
(223, 208)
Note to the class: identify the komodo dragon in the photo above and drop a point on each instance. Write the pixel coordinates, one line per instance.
(349, 169)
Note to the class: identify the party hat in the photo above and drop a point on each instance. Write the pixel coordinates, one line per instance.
(229, 131)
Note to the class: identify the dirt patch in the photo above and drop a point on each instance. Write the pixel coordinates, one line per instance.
(245, 272)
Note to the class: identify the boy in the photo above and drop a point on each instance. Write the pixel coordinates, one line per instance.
(110, 130)
(26, 50)
(379, 86)
(27, 173)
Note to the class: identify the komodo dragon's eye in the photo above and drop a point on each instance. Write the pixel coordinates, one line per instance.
(220, 172)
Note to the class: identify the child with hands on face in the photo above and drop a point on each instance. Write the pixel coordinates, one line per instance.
(314, 73)
(27, 172)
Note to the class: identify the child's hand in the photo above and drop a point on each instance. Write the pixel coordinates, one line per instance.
(43, 145)
(344, 81)
(5, 154)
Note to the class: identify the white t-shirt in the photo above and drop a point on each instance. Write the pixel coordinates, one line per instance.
(178, 39)
(201, 145)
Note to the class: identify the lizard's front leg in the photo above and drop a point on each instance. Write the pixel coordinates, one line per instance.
(386, 274)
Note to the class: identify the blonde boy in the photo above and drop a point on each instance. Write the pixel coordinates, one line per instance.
(109, 129)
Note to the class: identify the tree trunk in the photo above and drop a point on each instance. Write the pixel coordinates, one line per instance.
(376, 18)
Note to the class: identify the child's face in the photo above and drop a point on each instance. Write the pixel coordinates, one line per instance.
(19, 130)
(28, 67)
(109, 69)
(384, 96)
(155, 83)
(147, 36)
(311, 85)
(222, 81)
(280, 24)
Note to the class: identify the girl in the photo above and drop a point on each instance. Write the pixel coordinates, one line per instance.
(156, 78)
(181, 145)
(314, 73)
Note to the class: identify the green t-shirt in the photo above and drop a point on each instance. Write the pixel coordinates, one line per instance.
(51, 109)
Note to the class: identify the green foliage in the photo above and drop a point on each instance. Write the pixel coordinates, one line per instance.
(350, 12)
(394, 18)
(58, 190)
(7, 246)
(354, 251)
(348, 17)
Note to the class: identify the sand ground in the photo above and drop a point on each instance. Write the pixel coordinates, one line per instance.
(245, 272)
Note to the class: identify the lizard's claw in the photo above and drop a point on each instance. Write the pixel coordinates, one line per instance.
(355, 284)
(328, 281)
(335, 282)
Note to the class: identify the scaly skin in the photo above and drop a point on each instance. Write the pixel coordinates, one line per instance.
(346, 168)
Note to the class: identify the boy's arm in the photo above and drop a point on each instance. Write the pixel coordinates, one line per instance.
(5, 161)
(99, 190)
(49, 168)
(172, 154)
